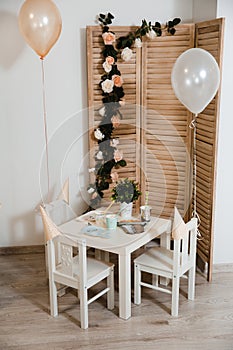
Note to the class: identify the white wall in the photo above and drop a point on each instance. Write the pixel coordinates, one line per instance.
(204, 10)
(223, 252)
(223, 232)
(21, 112)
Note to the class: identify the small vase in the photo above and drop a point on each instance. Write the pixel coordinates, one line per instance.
(126, 210)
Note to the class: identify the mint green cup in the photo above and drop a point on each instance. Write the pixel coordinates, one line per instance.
(111, 221)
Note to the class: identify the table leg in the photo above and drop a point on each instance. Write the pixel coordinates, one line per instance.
(125, 286)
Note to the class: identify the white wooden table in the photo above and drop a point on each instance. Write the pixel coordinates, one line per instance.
(122, 244)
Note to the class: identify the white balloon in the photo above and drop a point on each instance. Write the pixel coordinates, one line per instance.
(195, 79)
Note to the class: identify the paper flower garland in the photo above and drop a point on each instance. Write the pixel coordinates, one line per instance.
(111, 84)
(108, 157)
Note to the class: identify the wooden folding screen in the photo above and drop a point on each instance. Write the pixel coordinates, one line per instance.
(154, 135)
(208, 36)
(165, 125)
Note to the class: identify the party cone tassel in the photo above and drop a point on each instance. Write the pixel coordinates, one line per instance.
(179, 229)
(50, 229)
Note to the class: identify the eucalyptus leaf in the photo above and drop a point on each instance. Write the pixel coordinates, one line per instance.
(176, 21)
(170, 24)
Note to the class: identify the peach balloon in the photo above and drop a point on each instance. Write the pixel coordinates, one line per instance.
(40, 24)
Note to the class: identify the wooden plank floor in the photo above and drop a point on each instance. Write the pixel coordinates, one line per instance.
(25, 323)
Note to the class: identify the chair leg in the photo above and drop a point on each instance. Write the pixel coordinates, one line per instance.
(175, 296)
(53, 297)
(84, 308)
(191, 283)
(137, 285)
(110, 294)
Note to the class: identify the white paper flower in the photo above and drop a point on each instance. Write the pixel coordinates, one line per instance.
(90, 190)
(126, 54)
(151, 34)
(102, 111)
(114, 142)
(98, 134)
(99, 155)
(117, 155)
(107, 85)
(138, 42)
(107, 67)
(91, 170)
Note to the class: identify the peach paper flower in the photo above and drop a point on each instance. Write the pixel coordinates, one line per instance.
(110, 60)
(109, 38)
(114, 176)
(117, 79)
(115, 121)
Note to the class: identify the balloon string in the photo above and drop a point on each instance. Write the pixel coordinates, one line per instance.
(192, 125)
(45, 129)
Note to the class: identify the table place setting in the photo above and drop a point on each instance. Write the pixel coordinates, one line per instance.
(102, 221)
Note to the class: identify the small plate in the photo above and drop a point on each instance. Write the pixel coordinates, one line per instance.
(95, 231)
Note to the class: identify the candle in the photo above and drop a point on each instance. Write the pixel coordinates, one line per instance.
(146, 197)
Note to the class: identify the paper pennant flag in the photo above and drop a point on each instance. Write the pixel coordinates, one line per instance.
(179, 230)
(50, 229)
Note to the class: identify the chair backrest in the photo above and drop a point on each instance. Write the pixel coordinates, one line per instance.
(185, 248)
(66, 264)
(59, 211)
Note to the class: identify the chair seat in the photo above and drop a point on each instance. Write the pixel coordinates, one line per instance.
(95, 269)
(158, 257)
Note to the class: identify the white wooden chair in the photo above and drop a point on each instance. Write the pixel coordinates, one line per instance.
(170, 264)
(59, 212)
(80, 272)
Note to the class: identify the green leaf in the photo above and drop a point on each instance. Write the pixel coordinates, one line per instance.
(143, 32)
(176, 21)
(122, 163)
(172, 31)
(170, 24)
(157, 24)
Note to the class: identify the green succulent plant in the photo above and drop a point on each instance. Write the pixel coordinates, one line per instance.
(125, 191)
